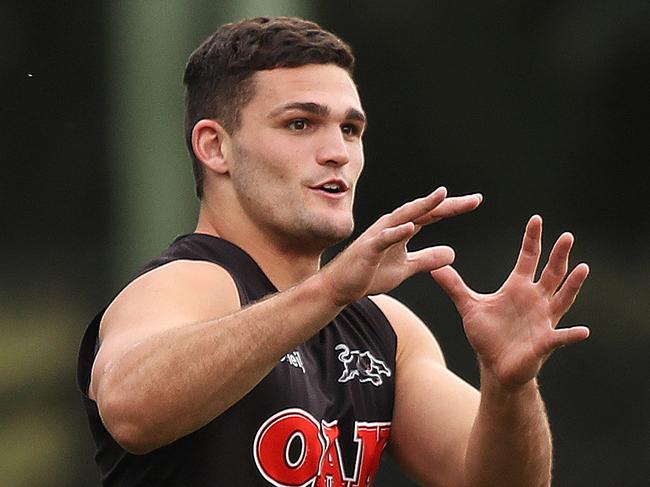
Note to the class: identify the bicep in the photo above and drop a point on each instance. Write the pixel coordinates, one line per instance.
(434, 408)
(432, 421)
(177, 294)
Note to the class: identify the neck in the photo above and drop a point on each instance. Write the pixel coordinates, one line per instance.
(284, 264)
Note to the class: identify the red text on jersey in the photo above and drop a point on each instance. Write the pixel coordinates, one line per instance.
(319, 462)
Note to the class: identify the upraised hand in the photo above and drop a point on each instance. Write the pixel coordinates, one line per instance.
(513, 330)
(379, 260)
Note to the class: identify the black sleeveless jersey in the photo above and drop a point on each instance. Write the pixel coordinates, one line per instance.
(321, 417)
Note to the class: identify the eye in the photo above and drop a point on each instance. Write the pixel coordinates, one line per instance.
(298, 125)
(351, 130)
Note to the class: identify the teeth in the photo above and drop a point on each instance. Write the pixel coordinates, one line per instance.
(332, 186)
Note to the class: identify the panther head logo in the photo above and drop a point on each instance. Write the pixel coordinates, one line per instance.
(363, 365)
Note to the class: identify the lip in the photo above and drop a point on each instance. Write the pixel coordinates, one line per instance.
(339, 182)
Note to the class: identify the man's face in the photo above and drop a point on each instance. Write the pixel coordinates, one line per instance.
(298, 154)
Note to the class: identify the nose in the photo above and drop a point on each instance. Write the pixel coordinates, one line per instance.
(333, 149)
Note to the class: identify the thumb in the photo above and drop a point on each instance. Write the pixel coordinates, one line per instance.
(451, 283)
(568, 336)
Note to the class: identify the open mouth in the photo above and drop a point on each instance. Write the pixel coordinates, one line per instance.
(332, 187)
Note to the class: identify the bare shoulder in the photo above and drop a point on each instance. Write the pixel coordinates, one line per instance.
(180, 293)
(183, 291)
(413, 336)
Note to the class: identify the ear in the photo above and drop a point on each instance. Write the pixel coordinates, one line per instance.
(212, 145)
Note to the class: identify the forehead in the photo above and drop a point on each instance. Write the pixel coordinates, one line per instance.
(325, 84)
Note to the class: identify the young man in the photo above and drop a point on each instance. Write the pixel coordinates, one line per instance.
(235, 359)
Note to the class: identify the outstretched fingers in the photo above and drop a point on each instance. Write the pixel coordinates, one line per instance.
(456, 205)
(429, 209)
(392, 235)
(531, 247)
(564, 298)
(558, 263)
(416, 209)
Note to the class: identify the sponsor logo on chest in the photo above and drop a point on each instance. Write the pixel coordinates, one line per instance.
(295, 360)
(293, 449)
(357, 364)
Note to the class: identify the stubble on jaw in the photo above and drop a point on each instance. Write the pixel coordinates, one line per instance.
(276, 212)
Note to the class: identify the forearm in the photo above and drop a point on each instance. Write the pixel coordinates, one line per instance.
(510, 443)
(173, 383)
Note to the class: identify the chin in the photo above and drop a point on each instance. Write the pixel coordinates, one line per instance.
(333, 234)
(319, 230)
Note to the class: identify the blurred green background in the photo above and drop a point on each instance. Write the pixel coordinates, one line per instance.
(542, 106)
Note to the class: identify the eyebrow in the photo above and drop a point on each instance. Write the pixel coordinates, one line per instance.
(318, 110)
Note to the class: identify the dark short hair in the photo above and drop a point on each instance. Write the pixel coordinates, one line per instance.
(219, 74)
